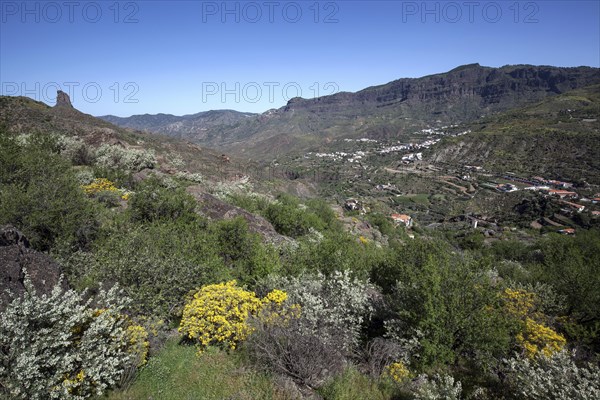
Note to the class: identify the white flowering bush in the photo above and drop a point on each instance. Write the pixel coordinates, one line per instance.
(117, 157)
(58, 346)
(73, 148)
(439, 387)
(313, 346)
(222, 190)
(333, 307)
(555, 377)
(175, 160)
(188, 176)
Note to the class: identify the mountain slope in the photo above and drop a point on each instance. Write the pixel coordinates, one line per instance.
(187, 125)
(21, 115)
(559, 136)
(458, 96)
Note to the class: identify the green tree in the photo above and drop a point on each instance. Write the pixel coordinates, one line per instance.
(449, 300)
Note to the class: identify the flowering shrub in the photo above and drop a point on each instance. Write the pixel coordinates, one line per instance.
(219, 313)
(99, 185)
(437, 388)
(74, 149)
(58, 347)
(553, 377)
(105, 190)
(333, 307)
(398, 372)
(192, 177)
(535, 338)
(117, 157)
(309, 344)
(137, 338)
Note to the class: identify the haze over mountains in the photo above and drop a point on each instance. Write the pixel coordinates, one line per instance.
(459, 96)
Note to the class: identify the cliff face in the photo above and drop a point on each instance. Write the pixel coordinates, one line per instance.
(490, 89)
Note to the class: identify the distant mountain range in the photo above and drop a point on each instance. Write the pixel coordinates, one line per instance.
(461, 95)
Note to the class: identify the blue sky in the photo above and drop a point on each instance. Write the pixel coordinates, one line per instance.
(182, 57)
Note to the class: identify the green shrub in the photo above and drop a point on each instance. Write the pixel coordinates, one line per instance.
(329, 252)
(242, 251)
(156, 263)
(41, 196)
(448, 303)
(290, 218)
(152, 202)
(59, 346)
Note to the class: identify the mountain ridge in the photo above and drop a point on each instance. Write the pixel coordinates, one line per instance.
(460, 95)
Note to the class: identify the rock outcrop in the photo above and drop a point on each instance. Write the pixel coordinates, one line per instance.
(215, 209)
(63, 100)
(15, 258)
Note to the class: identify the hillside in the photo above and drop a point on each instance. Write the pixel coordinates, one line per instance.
(559, 136)
(22, 115)
(195, 125)
(386, 111)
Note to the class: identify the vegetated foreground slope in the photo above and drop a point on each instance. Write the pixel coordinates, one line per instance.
(22, 115)
(559, 136)
(327, 313)
(386, 111)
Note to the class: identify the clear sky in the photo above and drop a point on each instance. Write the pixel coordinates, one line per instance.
(182, 57)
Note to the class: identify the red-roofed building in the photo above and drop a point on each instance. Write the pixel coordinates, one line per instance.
(562, 193)
(567, 231)
(404, 219)
(575, 206)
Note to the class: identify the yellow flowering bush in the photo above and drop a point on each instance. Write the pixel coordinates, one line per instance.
(397, 372)
(219, 313)
(138, 344)
(535, 338)
(519, 302)
(276, 296)
(99, 185)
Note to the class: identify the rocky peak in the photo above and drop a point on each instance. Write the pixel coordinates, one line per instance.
(63, 100)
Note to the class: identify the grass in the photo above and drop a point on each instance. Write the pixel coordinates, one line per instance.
(178, 373)
(421, 198)
(352, 385)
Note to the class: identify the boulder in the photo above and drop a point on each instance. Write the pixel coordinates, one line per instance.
(216, 209)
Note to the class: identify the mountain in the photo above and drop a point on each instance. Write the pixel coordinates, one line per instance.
(461, 95)
(194, 125)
